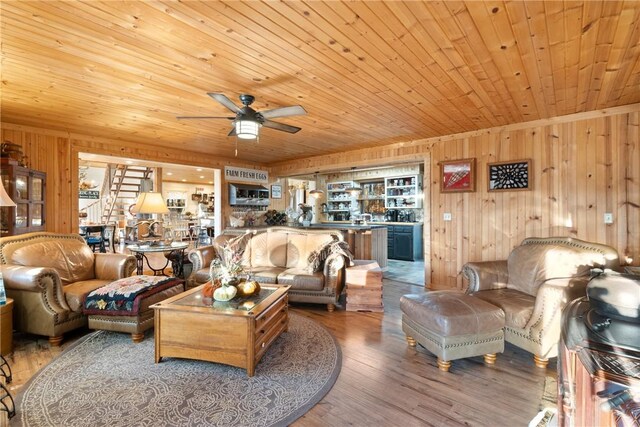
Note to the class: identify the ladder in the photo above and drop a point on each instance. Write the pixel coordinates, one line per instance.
(123, 186)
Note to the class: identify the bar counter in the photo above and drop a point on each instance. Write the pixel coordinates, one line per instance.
(365, 241)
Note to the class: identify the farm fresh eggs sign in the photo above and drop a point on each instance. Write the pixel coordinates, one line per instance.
(245, 175)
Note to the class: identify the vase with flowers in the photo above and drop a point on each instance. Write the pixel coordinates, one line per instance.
(225, 274)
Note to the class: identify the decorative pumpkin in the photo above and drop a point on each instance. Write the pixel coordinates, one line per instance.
(246, 289)
(207, 290)
(225, 293)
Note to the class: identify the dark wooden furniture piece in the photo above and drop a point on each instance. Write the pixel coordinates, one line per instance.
(598, 371)
(6, 327)
(174, 253)
(236, 332)
(26, 187)
(404, 242)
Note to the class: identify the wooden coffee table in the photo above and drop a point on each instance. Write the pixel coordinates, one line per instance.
(236, 333)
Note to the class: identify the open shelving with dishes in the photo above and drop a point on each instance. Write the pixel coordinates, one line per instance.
(255, 196)
(372, 197)
(339, 201)
(338, 198)
(403, 192)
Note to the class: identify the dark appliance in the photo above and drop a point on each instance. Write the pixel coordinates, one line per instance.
(406, 216)
(599, 360)
(391, 215)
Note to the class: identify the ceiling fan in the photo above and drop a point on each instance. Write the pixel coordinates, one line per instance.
(247, 121)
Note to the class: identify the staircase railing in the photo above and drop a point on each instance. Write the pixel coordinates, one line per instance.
(117, 182)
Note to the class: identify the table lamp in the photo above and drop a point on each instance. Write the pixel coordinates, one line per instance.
(150, 203)
(5, 200)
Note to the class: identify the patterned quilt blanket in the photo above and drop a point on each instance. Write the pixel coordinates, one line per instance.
(122, 297)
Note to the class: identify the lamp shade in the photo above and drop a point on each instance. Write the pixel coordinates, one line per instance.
(5, 200)
(316, 193)
(150, 203)
(247, 129)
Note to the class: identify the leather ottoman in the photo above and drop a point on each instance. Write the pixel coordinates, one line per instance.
(107, 312)
(453, 325)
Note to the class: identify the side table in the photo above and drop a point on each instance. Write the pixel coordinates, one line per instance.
(6, 327)
(174, 253)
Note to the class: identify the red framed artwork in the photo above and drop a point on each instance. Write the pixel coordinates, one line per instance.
(458, 176)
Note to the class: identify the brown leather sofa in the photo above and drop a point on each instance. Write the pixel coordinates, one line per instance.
(48, 276)
(279, 255)
(534, 284)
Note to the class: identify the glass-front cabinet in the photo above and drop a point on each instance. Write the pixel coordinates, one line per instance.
(26, 187)
(403, 192)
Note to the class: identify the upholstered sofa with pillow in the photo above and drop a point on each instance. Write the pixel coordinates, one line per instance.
(48, 275)
(534, 284)
(298, 257)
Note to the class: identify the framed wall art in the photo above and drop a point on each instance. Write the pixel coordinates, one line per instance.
(458, 176)
(512, 175)
(276, 191)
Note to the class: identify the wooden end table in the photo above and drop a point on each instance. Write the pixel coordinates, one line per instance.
(236, 333)
(6, 327)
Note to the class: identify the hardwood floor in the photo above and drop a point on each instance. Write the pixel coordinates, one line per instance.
(383, 381)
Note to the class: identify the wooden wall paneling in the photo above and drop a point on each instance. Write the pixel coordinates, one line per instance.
(579, 174)
(612, 195)
(428, 220)
(563, 153)
(632, 188)
(591, 176)
(535, 217)
(602, 195)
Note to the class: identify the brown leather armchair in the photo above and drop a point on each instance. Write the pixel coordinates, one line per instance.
(534, 284)
(48, 275)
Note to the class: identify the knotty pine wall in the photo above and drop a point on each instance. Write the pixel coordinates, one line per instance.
(582, 166)
(56, 153)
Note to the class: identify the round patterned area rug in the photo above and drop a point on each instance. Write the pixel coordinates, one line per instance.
(106, 380)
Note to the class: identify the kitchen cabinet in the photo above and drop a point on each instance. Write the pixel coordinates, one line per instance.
(26, 187)
(403, 192)
(404, 242)
(339, 201)
(372, 198)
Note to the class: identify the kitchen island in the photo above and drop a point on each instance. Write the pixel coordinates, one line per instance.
(365, 241)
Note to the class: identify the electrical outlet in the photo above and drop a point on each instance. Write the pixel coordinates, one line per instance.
(446, 216)
(608, 218)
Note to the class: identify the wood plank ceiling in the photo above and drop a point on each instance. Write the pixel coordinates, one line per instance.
(368, 73)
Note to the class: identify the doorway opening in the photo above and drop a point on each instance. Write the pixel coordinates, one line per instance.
(109, 188)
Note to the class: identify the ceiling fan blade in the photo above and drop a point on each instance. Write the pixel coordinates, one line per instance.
(233, 132)
(203, 117)
(294, 110)
(280, 126)
(222, 99)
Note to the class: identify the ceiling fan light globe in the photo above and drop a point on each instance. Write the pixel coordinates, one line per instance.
(247, 129)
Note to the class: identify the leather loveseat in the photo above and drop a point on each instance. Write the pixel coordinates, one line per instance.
(280, 255)
(534, 284)
(48, 276)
